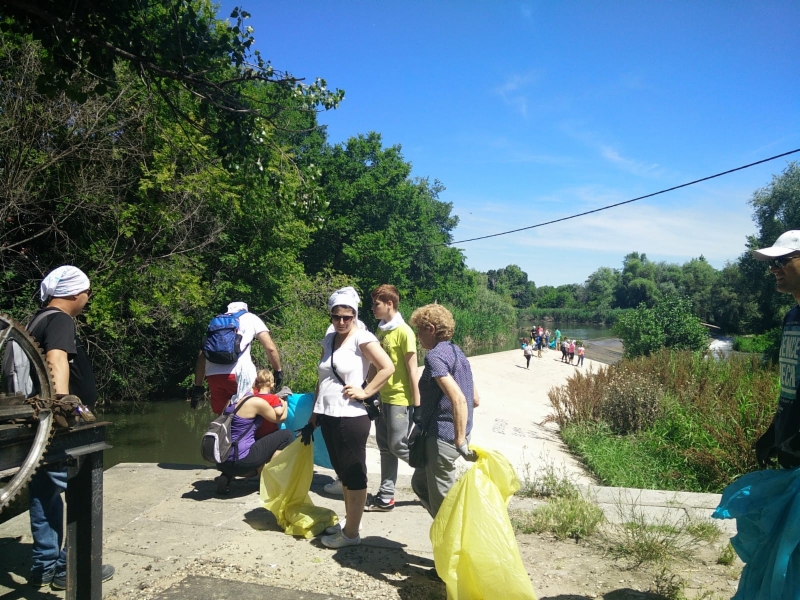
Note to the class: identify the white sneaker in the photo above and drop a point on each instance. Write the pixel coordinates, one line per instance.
(334, 487)
(340, 540)
(339, 526)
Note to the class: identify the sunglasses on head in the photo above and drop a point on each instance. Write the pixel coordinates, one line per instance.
(781, 261)
(342, 318)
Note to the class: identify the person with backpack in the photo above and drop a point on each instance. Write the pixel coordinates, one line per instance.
(225, 361)
(251, 451)
(65, 293)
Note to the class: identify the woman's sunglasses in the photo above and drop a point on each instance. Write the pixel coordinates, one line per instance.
(342, 318)
(779, 263)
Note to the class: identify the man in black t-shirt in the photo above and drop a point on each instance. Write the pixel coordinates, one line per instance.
(65, 292)
(782, 439)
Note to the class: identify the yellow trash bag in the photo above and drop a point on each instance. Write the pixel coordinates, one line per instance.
(474, 547)
(285, 482)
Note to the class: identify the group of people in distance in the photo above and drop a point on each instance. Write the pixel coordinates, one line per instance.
(354, 365)
(541, 337)
(569, 348)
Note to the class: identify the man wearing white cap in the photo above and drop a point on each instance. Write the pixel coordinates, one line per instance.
(782, 439)
(65, 292)
(228, 382)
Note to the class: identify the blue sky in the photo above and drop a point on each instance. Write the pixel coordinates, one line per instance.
(530, 111)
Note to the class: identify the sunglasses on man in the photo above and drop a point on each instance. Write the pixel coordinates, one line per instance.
(781, 261)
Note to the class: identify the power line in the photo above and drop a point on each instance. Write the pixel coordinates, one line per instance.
(596, 210)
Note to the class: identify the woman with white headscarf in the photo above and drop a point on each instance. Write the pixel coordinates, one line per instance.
(339, 411)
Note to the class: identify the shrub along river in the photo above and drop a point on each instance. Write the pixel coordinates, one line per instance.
(169, 431)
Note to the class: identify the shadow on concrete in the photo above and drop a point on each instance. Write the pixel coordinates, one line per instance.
(15, 557)
(621, 594)
(261, 519)
(182, 467)
(378, 556)
(207, 490)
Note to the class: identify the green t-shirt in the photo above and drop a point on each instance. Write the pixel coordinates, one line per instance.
(397, 343)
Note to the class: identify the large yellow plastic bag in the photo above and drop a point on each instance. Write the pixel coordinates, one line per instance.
(285, 482)
(474, 547)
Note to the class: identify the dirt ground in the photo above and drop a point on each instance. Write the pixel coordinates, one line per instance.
(559, 570)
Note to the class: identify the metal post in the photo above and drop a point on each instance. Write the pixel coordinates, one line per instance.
(85, 528)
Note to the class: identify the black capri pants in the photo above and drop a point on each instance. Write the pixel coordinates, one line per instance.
(346, 440)
(262, 451)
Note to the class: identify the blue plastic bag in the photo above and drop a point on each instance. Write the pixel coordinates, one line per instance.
(766, 506)
(300, 408)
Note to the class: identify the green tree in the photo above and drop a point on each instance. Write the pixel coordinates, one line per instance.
(601, 288)
(513, 283)
(776, 208)
(638, 282)
(382, 226)
(669, 324)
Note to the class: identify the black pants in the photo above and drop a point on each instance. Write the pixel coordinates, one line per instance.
(261, 452)
(527, 360)
(346, 440)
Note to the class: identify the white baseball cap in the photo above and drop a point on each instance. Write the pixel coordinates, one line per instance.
(786, 244)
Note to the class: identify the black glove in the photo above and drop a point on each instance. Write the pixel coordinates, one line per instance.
(469, 455)
(417, 415)
(765, 447)
(198, 393)
(278, 375)
(306, 434)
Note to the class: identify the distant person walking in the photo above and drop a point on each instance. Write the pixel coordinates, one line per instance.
(527, 351)
(558, 337)
(581, 352)
(539, 345)
(564, 350)
(571, 351)
(546, 339)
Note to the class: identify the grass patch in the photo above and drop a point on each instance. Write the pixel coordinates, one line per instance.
(706, 531)
(565, 517)
(766, 344)
(727, 556)
(699, 438)
(546, 481)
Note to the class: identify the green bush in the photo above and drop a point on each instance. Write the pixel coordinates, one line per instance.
(710, 414)
(768, 344)
(669, 324)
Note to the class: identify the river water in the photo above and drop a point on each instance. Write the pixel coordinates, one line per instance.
(170, 431)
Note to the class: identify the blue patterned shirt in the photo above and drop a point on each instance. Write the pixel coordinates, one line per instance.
(443, 359)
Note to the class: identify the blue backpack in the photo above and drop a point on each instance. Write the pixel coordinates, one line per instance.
(222, 342)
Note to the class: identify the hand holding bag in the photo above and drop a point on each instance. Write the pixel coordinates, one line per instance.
(372, 403)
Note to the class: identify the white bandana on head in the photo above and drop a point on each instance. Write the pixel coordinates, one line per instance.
(63, 281)
(346, 296)
(236, 307)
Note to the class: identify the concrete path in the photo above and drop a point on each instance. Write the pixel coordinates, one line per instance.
(170, 536)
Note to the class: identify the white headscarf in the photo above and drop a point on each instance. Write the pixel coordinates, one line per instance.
(346, 296)
(63, 281)
(236, 307)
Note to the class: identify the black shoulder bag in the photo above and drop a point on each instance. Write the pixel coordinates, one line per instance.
(416, 439)
(372, 403)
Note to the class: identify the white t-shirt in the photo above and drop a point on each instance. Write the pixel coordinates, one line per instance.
(352, 367)
(250, 326)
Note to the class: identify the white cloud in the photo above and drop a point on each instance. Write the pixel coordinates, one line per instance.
(511, 92)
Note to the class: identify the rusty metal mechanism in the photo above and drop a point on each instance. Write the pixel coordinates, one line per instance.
(26, 423)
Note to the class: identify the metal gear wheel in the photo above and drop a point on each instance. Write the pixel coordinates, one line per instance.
(26, 424)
